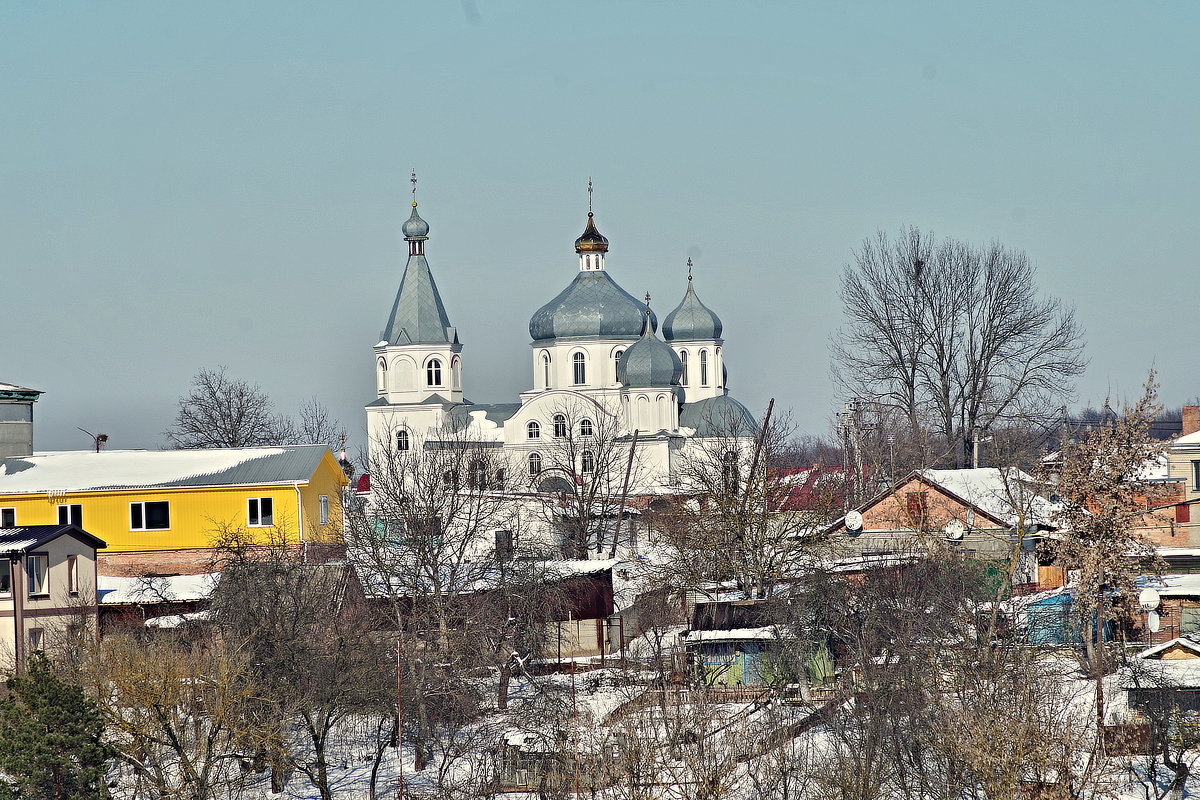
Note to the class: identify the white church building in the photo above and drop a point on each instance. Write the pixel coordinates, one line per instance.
(599, 369)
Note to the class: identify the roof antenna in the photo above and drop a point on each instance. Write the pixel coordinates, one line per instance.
(413, 179)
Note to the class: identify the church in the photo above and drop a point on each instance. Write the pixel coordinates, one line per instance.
(600, 375)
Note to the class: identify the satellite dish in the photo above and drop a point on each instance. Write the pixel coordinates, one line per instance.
(1153, 623)
(954, 530)
(1148, 599)
(854, 521)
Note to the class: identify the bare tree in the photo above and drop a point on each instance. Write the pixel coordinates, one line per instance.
(223, 411)
(956, 338)
(317, 426)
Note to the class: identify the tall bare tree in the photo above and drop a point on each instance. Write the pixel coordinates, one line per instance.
(223, 411)
(955, 337)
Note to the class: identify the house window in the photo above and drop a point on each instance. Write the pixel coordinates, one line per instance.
(683, 360)
(587, 462)
(501, 477)
(1196, 476)
(535, 464)
(8, 517)
(560, 426)
(1189, 620)
(433, 372)
(73, 574)
(323, 509)
(37, 570)
(71, 515)
(533, 431)
(150, 516)
(704, 368)
(579, 368)
(37, 639)
(260, 512)
(585, 427)
(5, 576)
(402, 441)
(917, 504)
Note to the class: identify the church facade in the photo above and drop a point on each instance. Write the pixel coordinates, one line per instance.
(602, 379)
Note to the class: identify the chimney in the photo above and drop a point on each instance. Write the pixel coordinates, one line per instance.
(1191, 420)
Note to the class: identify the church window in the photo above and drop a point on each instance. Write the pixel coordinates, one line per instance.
(729, 470)
(617, 359)
(535, 464)
(450, 479)
(704, 368)
(579, 367)
(585, 427)
(533, 430)
(456, 373)
(587, 462)
(402, 441)
(560, 426)
(683, 360)
(545, 370)
(477, 477)
(433, 372)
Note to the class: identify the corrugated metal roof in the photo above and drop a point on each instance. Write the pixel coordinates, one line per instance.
(136, 469)
(27, 537)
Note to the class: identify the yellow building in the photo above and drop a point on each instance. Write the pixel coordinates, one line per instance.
(160, 510)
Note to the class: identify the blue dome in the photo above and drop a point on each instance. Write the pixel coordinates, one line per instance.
(691, 320)
(718, 416)
(592, 306)
(649, 363)
(415, 227)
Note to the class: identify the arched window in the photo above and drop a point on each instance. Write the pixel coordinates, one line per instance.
(683, 360)
(535, 464)
(545, 370)
(560, 426)
(617, 359)
(402, 441)
(729, 470)
(450, 479)
(433, 372)
(383, 376)
(586, 428)
(477, 477)
(579, 368)
(533, 431)
(456, 373)
(587, 462)
(704, 368)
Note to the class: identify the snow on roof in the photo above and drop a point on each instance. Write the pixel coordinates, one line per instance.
(170, 621)
(1171, 551)
(1187, 644)
(1172, 585)
(113, 590)
(767, 633)
(998, 493)
(1157, 468)
(1191, 438)
(83, 470)
(1162, 673)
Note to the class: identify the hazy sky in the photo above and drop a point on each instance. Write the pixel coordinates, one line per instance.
(184, 185)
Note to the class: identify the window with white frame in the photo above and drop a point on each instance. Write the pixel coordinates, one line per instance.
(323, 509)
(533, 431)
(154, 515)
(260, 512)
(586, 428)
(37, 573)
(535, 464)
(683, 360)
(73, 574)
(560, 426)
(37, 639)
(587, 462)
(8, 517)
(403, 442)
(579, 368)
(433, 372)
(704, 368)
(71, 515)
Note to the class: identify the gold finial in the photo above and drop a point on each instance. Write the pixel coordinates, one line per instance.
(589, 196)
(689, 269)
(413, 179)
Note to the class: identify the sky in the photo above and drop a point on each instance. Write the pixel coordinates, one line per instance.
(187, 185)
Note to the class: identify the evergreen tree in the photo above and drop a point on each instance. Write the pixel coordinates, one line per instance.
(51, 734)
